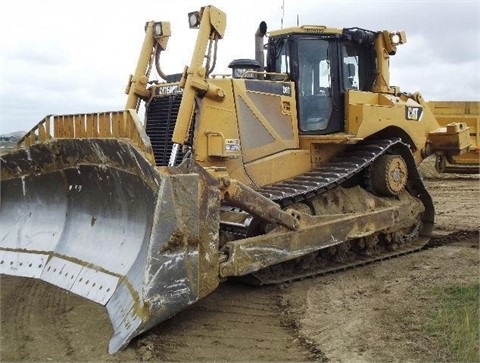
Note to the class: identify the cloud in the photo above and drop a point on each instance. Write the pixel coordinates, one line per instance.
(67, 57)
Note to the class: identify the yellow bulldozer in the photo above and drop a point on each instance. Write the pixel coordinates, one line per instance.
(299, 162)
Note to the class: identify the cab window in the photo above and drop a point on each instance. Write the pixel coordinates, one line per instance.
(358, 67)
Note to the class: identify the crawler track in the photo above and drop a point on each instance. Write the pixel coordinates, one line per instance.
(346, 168)
(341, 168)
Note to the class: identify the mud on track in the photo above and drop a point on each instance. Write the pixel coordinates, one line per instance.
(354, 315)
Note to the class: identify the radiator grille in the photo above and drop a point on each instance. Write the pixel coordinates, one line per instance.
(161, 116)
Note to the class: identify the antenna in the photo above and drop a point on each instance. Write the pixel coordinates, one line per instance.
(283, 14)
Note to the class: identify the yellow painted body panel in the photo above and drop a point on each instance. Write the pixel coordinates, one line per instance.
(280, 166)
(369, 113)
(265, 125)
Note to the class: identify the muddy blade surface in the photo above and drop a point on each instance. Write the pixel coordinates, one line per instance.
(95, 218)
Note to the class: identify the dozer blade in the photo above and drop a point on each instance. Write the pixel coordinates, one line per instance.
(95, 218)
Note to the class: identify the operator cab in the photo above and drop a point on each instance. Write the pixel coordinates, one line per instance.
(324, 64)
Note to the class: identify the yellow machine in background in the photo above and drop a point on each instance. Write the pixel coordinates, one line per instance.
(453, 115)
(297, 164)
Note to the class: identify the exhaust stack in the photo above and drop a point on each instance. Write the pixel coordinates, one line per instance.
(259, 34)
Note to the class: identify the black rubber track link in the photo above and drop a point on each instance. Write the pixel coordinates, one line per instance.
(340, 169)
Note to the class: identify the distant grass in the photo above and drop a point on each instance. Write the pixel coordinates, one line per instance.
(454, 320)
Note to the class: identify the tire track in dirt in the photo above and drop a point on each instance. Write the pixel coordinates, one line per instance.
(235, 323)
(41, 322)
(22, 312)
(34, 321)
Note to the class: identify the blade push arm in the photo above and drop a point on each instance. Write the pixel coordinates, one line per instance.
(211, 23)
(155, 41)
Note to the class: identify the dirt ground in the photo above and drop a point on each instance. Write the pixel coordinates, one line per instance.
(363, 314)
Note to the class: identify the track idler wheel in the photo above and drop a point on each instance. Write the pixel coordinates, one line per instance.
(388, 175)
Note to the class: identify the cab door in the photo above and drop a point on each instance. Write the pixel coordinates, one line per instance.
(320, 110)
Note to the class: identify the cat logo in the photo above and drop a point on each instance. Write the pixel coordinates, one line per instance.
(413, 113)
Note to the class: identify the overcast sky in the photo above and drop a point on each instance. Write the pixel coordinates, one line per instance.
(59, 56)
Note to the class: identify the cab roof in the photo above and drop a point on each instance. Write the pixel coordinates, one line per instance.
(306, 29)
